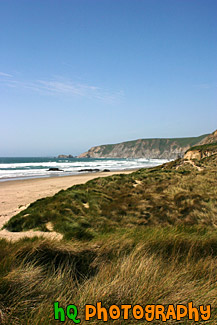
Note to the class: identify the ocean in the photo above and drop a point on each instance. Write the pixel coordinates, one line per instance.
(36, 167)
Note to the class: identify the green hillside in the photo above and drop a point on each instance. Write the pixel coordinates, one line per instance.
(182, 142)
(169, 148)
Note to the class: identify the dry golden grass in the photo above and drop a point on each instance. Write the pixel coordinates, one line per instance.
(159, 266)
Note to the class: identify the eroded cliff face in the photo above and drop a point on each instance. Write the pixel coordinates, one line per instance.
(211, 138)
(120, 151)
(197, 154)
(92, 152)
(144, 148)
(205, 148)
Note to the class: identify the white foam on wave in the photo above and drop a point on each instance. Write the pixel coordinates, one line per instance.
(40, 169)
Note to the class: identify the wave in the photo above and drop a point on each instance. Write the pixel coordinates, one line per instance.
(40, 169)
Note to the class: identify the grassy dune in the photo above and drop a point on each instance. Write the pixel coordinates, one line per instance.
(172, 194)
(149, 237)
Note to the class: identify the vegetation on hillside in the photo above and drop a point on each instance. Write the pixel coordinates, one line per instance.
(149, 237)
(140, 145)
(205, 147)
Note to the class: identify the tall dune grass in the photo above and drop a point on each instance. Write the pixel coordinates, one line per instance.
(158, 266)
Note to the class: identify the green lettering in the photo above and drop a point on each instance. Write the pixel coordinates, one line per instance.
(59, 310)
(73, 315)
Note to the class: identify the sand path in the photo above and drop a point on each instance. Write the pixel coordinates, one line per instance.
(17, 195)
(193, 164)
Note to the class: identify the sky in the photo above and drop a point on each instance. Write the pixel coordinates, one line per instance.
(80, 73)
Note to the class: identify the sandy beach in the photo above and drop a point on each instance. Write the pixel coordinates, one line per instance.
(18, 194)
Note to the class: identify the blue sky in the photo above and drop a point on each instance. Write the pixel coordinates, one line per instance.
(78, 73)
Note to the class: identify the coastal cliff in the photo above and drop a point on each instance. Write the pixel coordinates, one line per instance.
(205, 148)
(200, 152)
(144, 148)
(210, 138)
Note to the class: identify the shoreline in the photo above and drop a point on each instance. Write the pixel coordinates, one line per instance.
(16, 195)
(14, 179)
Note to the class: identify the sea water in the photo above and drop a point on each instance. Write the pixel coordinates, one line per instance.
(35, 167)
